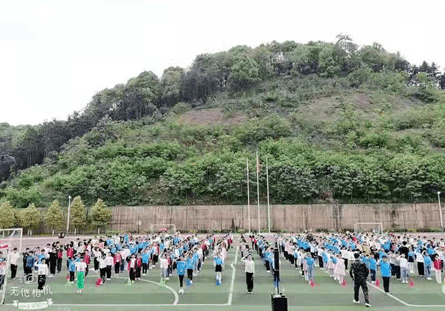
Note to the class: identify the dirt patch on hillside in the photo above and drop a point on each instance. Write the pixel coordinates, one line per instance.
(211, 116)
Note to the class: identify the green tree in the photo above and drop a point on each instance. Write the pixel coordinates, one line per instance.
(7, 218)
(30, 218)
(171, 86)
(244, 72)
(101, 214)
(78, 216)
(53, 216)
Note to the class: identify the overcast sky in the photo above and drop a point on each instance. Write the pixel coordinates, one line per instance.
(55, 55)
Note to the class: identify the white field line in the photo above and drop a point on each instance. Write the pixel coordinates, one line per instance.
(405, 303)
(233, 277)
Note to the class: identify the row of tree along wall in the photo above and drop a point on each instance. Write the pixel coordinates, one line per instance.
(282, 217)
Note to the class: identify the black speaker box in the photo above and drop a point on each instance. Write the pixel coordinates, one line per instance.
(279, 303)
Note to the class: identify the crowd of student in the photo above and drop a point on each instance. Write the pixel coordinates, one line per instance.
(395, 256)
(112, 256)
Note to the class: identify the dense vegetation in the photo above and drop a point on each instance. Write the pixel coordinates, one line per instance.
(357, 124)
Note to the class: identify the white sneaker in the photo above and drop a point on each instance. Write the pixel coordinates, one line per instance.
(368, 305)
(144, 274)
(355, 301)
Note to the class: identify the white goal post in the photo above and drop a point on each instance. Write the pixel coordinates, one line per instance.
(376, 227)
(168, 228)
(9, 239)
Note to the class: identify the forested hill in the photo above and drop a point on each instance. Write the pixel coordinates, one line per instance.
(358, 124)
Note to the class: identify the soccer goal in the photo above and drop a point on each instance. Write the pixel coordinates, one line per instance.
(163, 228)
(375, 227)
(9, 239)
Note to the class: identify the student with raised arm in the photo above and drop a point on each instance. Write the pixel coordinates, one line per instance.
(42, 272)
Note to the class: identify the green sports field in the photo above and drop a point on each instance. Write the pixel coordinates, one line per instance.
(148, 294)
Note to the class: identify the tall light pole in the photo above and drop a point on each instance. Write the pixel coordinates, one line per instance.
(440, 211)
(68, 219)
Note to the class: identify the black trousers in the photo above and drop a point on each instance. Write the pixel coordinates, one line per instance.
(397, 272)
(249, 281)
(96, 264)
(108, 272)
(181, 280)
(103, 273)
(320, 261)
(41, 279)
(361, 283)
(52, 266)
(59, 265)
(13, 271)
(346, 264)
(117, 267)
(71, 276)
(421, 268)
(138, 272)
(386, 283)
(190, 274)
(132, 274)
(144, 268)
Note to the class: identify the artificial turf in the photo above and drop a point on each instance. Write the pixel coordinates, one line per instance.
(327, 294)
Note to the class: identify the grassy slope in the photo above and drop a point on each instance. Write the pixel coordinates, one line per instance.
(314, 119)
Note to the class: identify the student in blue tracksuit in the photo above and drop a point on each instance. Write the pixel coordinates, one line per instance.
(180, 268)
(386, 272)
(218, 267)
(372, 269)
(310, 267)
(190, 265)
(72, 268)
(428, 264)
(145, 261)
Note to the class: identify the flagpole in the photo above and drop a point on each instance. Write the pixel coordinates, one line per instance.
(268, 206)
(258, 189)
(248, 198)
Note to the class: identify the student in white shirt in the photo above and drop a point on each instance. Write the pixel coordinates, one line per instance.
(404, 268)
(109, 261)
(163, 267)
(13, 258)
(249, 268)
(42, 272)
(103, 268)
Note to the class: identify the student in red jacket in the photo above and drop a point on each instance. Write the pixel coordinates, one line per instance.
(69, 254)
(87, 259)
(132, 268)
(138, 267)
(438, 268)
(59, 259)
(117, 262)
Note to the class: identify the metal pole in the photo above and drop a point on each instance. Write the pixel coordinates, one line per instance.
(248, 197)
(68, 219)
(268, 206)
(440, 211)
(258, 190)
